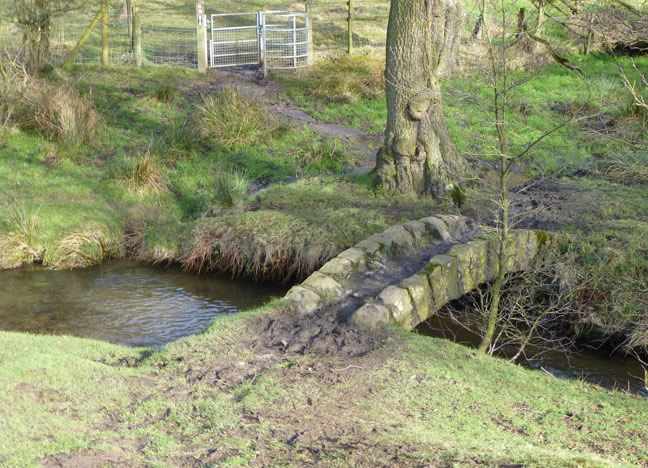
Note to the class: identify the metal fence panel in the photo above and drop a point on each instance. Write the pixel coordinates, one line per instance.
(234, 45)
(285, 40)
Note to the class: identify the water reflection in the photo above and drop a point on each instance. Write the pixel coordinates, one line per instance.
(121, 302)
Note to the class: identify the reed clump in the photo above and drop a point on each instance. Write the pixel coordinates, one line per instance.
(230, 118)
(84, 249)
(18, 237)
(142, 173)
(59, 112)
(230, 185)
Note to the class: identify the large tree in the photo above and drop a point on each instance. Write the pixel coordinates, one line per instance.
(422, 42)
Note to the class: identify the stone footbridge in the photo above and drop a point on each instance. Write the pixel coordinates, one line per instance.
(461, 258)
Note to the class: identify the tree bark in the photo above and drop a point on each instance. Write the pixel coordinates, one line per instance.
(422, 41)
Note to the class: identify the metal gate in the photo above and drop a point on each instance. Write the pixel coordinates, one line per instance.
(234, 40)
(274, 40)
(284, 42)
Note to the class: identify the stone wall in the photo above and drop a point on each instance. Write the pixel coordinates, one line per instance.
(444, 278)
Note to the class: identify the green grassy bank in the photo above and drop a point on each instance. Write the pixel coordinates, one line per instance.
(422, 401)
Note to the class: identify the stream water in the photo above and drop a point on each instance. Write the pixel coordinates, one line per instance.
(122, 302)
(601, 367)
(137, 305)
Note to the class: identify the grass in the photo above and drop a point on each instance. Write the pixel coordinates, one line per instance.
(231, 186)
(231, 119)
(18, 238)
(150, 169)
(451, 406)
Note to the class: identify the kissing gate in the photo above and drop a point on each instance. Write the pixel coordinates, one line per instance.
(274, 40)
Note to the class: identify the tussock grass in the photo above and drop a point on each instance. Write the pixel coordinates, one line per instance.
(165, 92)
(59, 112)
(230, 185)
(83, 249)
(230, 118)
(629, 168)
(142, 172)
(327, 152)
(18, 242)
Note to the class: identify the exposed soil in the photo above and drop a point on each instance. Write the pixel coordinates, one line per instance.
(287, 335)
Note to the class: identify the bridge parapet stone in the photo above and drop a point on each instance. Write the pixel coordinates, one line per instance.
(446, 278)
(420, 293)
(356, 257)
(305, 301)
(416, 228)
(372, 315)
(472, 264)
(321, 282)
(398, 302)
(338, 267)
(369, 247)
(438, 228)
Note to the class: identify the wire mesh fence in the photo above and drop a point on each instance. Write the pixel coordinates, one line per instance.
(171, 38)
(329, 21)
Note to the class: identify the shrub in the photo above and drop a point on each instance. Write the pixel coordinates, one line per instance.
(59, 112)
(18, 243)
(230, 185)
(231, 118)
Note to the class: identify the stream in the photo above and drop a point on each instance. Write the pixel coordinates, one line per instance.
(138, 305)
(600, 367)
(122, 302)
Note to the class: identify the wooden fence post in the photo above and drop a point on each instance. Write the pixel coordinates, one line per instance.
(137, 37)
(105, 60)
(350, 20)
(201, 37)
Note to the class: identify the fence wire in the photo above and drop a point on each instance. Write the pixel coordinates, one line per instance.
(171, 39)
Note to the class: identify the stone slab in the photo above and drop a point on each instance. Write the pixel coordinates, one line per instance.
(372, 315)
(398, 301)
(306, 301)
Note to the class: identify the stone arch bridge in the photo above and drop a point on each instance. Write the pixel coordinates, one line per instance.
(405, 274)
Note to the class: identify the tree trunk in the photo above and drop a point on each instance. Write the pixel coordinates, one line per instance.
(35, 21)
(422, 41)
